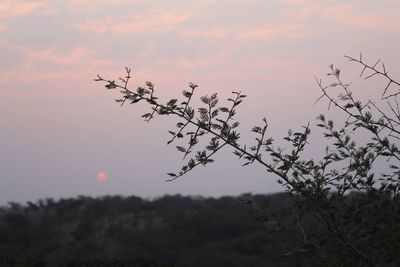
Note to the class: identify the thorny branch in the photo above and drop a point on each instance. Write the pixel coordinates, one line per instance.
(319, 183)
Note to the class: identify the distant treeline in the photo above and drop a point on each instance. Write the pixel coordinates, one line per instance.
(131, 231)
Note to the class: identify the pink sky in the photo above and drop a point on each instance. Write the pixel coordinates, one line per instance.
(59, 128)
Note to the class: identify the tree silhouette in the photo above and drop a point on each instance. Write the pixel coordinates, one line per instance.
(350, 195)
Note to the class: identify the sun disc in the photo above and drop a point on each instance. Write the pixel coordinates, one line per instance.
(101, 176)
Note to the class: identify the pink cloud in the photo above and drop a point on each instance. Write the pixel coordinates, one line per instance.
(155, 22)
(353, 15)
(208, 33)
(223, 62)
(38, 65)
(77, 56)
(9, 9)
(266, 32)
(207, 2)
(293, 1)
(109, 2)
(276, 31)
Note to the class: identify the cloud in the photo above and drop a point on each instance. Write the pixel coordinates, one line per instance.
(41, 31)
(107, 2)
(261, 31)
(11, 56)
(207, 2)
(155, 22)
(10, 9)
(80, 54)
(49, 65)
(352, 15)
(219, 32)
(355, 16)
(292, 1)
(270, 32)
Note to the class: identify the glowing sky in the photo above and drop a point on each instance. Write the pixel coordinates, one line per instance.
(59, 129)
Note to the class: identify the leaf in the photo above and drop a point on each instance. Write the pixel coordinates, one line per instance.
(205, 99)
(184, 168)
(172, 102)
(213, 145)
(256, 129)
(235, 124)
(193, 86)
(216, 126)
(203, 110)
(149, 84)
(146, 115)
(213, 100)
(186, 94)
(181, 149)
(348, 105)
(141, 91)
(111, 85)
(189, 113)
(191, 163)
(163, 111)
(237, 103)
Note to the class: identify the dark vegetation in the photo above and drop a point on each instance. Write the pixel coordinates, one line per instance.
(130, 231)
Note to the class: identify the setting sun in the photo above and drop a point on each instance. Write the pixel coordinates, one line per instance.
(101, 176)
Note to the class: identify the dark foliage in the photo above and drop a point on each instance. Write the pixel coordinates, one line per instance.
(130, 231)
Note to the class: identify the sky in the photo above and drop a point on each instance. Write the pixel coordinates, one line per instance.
(63, 135)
